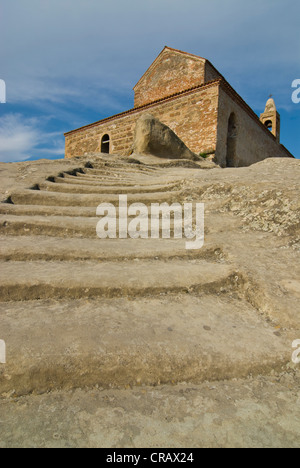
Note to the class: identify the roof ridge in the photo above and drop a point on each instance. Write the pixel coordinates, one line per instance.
(185, 53)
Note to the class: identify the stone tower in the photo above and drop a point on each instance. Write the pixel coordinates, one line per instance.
(271, 118)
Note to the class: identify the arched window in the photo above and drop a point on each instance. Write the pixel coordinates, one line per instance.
(105, 141)
(231, 158)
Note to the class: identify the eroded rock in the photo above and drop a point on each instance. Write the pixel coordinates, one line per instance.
(155, 138)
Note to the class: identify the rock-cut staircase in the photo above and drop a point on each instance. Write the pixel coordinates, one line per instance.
(79, 311)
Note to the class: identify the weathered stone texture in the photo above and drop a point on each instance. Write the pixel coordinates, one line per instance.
(108, 339)
(170, 73)
(211, 73)
(153, 137)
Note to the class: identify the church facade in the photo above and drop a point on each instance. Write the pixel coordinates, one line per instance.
(190, 96)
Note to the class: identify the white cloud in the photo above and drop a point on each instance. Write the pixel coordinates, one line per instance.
(90, 53)
(17, 137)
(56, 48)
(20, 139)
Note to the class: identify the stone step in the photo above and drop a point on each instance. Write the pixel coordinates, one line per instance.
(91, 182)
(113, 176)
(113, 184)
(259, 411)
(125, 163)
(56, 248)
(121, 180)
(101, 189)
(21, 281)
(40, 197)
(44, 210)
(62, 226)
(146, 341)
(110, 181)
(69, 226)
(122, 170)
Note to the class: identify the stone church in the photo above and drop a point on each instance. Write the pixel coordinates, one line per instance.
(188, 94)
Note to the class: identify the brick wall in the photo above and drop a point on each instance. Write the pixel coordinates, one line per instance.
(254, 142)
(192, 115)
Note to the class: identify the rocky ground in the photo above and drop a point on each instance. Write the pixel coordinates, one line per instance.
(140, 342)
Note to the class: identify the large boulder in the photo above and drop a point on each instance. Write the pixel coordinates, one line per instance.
(154, 137)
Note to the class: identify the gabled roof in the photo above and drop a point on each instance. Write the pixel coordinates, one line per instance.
(187, 54)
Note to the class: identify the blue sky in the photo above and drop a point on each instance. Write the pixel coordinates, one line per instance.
(67, 63)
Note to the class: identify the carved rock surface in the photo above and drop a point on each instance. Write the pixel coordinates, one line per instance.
(154, 137)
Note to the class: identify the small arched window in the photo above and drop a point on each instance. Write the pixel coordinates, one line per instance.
(105, 142)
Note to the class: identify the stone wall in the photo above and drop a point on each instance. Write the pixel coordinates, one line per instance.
(211, 73)
(253, 141)
(170, 73)
(192, 115)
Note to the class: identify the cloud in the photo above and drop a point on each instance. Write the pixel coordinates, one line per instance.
(79, 59)
(17, 138)
(57, 50)
(2, 92)
(21, 139)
